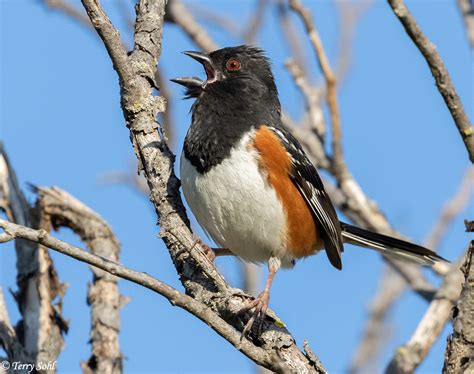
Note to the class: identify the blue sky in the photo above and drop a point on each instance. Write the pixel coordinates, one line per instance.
(61, 123)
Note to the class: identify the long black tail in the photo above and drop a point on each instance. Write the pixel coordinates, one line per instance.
(389, 246)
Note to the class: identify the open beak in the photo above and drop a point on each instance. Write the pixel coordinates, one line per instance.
(205, 60)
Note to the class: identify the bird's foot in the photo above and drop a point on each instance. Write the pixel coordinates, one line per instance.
(260, 306)
(209, 252)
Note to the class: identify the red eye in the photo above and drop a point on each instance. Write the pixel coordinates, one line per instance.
(233, 64)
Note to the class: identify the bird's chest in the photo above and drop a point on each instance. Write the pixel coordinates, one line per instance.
(233, 202)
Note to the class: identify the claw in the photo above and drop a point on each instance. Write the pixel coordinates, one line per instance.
(209, 252)
(260, 306)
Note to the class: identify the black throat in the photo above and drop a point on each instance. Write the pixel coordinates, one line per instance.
(222, 114)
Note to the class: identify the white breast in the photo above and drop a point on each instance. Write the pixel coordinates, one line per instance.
(236, 206)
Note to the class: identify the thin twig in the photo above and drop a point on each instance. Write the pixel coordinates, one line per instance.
(452, 209)
(331, 93)
(70, 10)
(256, 21)
(391, 286)
(467, 12)
(312, 97)
(208, 16)
(349, 15)
(179, 14)
(293, 40)
(439, 72)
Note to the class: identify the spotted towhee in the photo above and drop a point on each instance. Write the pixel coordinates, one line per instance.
(249, 182)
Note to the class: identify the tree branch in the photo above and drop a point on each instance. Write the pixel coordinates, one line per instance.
(467, 12)
(8, 338)
(103, 294)
(452, 208)
(177, 12)
(42, 324)
(410, 355)
(70, 10)
(459, 356)
(439, 72)
(176, 298)
(331, 93)
(391, 286)
(356, 205)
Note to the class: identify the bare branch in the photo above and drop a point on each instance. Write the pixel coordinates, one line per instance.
(452, 208)
(439, 72)
(459, 357)
(312, 97)
(129, 178)
(356, 204)
(8, 338)
(179, 14)
(38, 283)
(70, 10)
(175, 297)
(349, 15)
(251, 31)
(115, 269)
(467, 12)
(103, 295)
(410, 355)
(391, 286)
(199, 276)
(292, 38)
(331, 94)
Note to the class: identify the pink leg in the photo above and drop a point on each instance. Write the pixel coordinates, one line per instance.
(260, 304)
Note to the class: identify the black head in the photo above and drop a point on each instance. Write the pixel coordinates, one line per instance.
(238, 95)
(237, 70)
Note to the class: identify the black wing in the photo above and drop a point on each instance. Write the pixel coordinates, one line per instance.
(308, 182)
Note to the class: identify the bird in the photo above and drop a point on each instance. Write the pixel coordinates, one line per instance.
(249, 182)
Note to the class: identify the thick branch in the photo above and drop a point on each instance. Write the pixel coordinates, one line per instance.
(440, 74)
(459, 357)
(103, 295)
(38, 284)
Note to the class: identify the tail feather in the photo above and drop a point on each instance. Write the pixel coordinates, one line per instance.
(389, 246)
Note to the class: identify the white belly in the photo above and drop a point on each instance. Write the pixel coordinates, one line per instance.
(236, 207)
